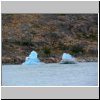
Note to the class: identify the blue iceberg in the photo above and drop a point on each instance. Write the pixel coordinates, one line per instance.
(66, 56)
(32, 59)
(67, 59)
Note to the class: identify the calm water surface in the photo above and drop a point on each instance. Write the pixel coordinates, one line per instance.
(80, 74)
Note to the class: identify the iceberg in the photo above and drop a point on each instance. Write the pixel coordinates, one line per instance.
(32, 59)
(67, 59)
(66, 56)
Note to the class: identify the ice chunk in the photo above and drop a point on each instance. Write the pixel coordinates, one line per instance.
(66, 56)
(67, 59)
(32, 59)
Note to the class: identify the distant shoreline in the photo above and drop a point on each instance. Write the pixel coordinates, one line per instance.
(87, 59)
(55, 60)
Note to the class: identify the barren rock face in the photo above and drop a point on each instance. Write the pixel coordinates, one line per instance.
(48, 34)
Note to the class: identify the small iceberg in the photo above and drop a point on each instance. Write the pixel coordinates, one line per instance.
(68, 59)
(32, 59)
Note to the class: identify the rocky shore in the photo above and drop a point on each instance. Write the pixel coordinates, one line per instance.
(19, 60)
(88, 59)
(56, 60)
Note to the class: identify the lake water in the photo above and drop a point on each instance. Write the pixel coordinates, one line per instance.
(80, 74)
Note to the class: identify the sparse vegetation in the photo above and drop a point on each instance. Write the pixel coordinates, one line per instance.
(46, 51)
(77, 49)
(49, 34)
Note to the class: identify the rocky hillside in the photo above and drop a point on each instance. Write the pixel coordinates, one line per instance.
(50, 35)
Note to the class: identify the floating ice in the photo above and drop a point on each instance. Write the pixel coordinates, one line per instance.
(67, 59)
(32, 59)
(66, 56)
